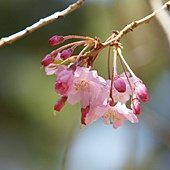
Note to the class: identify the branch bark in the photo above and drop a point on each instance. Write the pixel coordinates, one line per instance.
(41, 23)
(135, 24)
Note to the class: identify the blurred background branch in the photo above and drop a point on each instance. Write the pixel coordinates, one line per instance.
(41, 23)
(163, 18)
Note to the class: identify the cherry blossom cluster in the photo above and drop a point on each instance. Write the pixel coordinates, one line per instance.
(77, 82)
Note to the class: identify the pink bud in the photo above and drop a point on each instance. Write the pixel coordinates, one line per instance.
(60, 103)
(55, 40)
(135, 105)
(46, 60)
(66, 53)
(141, 91)
(119, 84)
(54, 53)
(61, 87)
(84, 112)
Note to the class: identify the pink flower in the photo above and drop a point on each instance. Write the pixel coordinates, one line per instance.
(116, 115)
(88, 88)
(64, 80)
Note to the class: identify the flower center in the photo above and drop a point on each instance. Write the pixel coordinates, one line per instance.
(111, 115)
(81, 85)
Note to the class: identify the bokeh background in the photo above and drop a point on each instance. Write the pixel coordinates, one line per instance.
(32, 138)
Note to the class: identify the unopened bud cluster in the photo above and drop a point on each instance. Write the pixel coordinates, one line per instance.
(77, 82)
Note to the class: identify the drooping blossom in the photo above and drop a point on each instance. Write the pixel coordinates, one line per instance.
(87, 88)
(77, 82)
(116, 115)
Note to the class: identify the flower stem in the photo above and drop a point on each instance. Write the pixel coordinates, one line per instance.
(77, 37)
(82, 51)
(126, 75)
(108, 63)
(75, 44)
(115, 63)
(126, 64)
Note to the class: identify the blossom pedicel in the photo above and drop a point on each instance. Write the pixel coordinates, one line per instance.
(77, 82)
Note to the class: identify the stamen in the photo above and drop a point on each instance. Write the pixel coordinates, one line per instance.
(81, 85)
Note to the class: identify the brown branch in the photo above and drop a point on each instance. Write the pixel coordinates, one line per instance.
(135, 24)
(41, 23)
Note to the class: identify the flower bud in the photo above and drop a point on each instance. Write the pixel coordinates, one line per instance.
(61, 87)
(55, 40)
(46, 60)
(84, 112)
(119, 84)
(66, 53)
(141, 91)
(60, 103)
(135, 105)
(54, 53)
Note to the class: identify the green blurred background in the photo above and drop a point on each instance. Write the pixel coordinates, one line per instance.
(32, 138)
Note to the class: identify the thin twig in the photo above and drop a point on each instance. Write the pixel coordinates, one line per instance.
(135, 24)
(41, 23)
